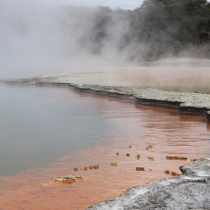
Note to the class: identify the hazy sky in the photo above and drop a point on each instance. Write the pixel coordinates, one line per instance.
(124, 4)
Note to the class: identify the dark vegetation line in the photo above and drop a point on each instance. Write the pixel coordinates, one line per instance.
(156, 29)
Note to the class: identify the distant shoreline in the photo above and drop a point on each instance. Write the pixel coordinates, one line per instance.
(185, 102)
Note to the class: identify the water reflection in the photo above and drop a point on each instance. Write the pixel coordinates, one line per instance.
(42, 123)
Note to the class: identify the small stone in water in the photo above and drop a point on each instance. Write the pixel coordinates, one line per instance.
(194, 160)
(174, 173)
(167, 172)
(150, 157)
(175, 158)
(114, 164)
(140, 168)
(43, 184)
(96, 167)
(66, 179)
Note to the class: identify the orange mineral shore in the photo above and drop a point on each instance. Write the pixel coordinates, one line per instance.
(106, 169)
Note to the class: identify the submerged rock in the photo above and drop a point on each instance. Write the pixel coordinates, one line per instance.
(151, 158)
(139, 168)
(167, 172)
(191, 190)
(66, 179)
(174, 173)
(176, 158)
(43, 184)
(96, 167)
(113, 164)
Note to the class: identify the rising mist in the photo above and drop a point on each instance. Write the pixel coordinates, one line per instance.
(42, 39)
(37, 38)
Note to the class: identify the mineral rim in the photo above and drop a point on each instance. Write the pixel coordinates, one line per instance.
(186, 102)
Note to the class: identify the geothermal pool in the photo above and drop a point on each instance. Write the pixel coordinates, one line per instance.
(47, 131)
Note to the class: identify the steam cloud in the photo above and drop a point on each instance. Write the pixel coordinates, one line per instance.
(36, 38)
(40, 39)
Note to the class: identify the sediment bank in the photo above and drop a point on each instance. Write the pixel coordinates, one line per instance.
(192, 103)
(186, 102)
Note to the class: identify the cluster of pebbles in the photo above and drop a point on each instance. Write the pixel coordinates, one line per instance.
(72, 178)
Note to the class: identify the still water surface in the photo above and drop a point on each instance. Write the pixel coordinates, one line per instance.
(41, 123)
(69, 128)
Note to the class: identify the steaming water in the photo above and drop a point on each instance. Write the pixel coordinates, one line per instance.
(39, 124)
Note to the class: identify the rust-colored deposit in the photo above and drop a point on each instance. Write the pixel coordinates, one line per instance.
(168, 133)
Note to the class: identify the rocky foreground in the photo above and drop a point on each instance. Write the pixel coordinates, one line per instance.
(191, 190)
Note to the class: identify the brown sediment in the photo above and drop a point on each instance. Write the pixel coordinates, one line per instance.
(176, 158)
(113, 164)
(194, 160)
(151, 158)
(138, 157)
(174, 173)
(139, 168)
(96, 167)
(149, 147)
(66, 179)
(43, 184)
(128, 155)
(167, 172)
(172, 134)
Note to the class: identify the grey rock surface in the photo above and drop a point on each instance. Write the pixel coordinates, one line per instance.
(199, 168)
(191, 190)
